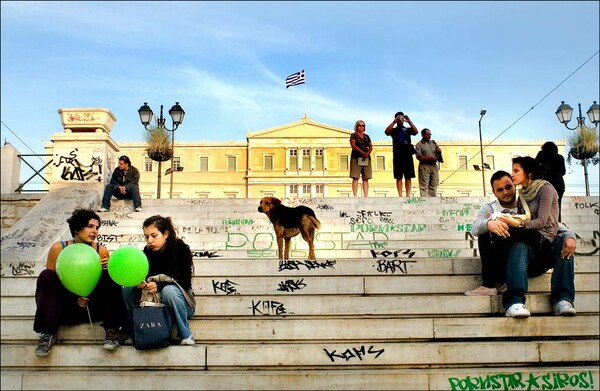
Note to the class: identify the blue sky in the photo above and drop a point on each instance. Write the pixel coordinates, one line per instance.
(226, 62)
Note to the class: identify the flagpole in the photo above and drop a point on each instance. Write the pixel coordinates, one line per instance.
(305, 114)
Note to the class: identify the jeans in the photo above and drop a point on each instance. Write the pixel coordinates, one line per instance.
(172, 298)
(133, 192)
(524, 262)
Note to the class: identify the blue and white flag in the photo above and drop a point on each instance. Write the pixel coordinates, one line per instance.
(295, 79)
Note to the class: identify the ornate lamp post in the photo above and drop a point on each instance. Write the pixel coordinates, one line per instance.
(482, 113)
(581, 152)
(176, 112)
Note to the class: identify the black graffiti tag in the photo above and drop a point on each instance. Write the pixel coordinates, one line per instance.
(352, 353)
(291, 285)
(226, 286)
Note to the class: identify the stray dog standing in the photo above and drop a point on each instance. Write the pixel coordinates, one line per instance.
(289, 222)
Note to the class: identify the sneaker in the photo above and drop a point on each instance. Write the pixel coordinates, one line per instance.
(188, 341)
(128, 342)
(45, 344)
(110, 341)
(517, 310)
(103, 209)
(482, 291)
(564, 308)
(138, 209)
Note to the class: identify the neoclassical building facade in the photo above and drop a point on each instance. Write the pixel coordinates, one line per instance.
(299, 159)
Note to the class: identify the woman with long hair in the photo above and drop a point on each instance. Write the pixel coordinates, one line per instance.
(167, 254)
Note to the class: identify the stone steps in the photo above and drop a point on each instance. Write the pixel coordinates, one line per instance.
(380, 308)
(466, 378)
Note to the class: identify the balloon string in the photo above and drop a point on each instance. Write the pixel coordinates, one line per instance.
(91, 324)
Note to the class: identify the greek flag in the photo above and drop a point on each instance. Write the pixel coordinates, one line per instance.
(295, 79)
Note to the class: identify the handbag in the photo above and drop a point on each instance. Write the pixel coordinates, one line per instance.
(149, 323)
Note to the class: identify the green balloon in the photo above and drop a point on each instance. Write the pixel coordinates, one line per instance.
(79, 269)
(128, 266)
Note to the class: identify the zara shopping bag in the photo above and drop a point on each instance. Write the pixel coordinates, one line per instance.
(149, 324)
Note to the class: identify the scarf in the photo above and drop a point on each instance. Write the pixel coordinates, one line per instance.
(530, 192)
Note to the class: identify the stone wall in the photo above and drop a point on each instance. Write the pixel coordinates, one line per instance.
(15, 206)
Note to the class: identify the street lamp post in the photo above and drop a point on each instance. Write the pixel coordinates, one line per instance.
(176, 112)
(482, 113)
(564, 113)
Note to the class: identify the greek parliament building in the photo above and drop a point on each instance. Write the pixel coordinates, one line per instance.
(299, 159)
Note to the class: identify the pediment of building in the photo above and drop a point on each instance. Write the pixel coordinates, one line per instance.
(305, 128)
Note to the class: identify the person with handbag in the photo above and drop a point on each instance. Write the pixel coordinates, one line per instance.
(170, 275)
(57, 306)
(360, 158)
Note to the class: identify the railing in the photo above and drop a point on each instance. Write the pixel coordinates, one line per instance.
(36, 173)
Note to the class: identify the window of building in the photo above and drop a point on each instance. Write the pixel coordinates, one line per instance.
(305, 158)
(268, 193)
(319, 159)
(203, 164)
(320, 190)
(381, 194)
(306, 191)
(294, 190)
(491, 162)
(176, 163)
(462, 162)
(293, 159)
(148, 164)
(202, 195)
(230, 195)
(344, 162)
(268, 164)
(380, 163)
(231, 163)
(344, 194)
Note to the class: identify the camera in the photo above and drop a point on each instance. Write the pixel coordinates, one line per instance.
(439, 157)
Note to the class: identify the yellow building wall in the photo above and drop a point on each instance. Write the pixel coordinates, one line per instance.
(251, 180)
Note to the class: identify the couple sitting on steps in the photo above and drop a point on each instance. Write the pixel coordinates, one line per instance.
(520, 237)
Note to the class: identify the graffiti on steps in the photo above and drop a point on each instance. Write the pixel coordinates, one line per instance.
(392, 266)
(309, 265)
(354, 353)
(524, 381)
(205, 254)
(237, 221)
(415, 200)
(589, 243)
(291, 285)
(19, 269)
(227, 287)
(401, 253)
(443, 253)
(587, 205)
(323, 240)
(369, 217)
(267, 307)
(200, 201)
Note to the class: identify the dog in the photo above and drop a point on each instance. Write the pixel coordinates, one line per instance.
(289, 222)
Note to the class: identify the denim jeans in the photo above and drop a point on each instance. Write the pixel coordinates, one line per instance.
(173, 299)
(524, 262)
(132, 191)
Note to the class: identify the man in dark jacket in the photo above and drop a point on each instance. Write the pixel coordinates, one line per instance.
(123, 185)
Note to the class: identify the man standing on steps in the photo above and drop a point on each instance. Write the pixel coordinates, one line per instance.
(403, 150)
(494, 255)
(427, 152)
(124, 184)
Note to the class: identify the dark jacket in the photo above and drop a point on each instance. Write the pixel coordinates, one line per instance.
(175, 261)
(119, 178)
